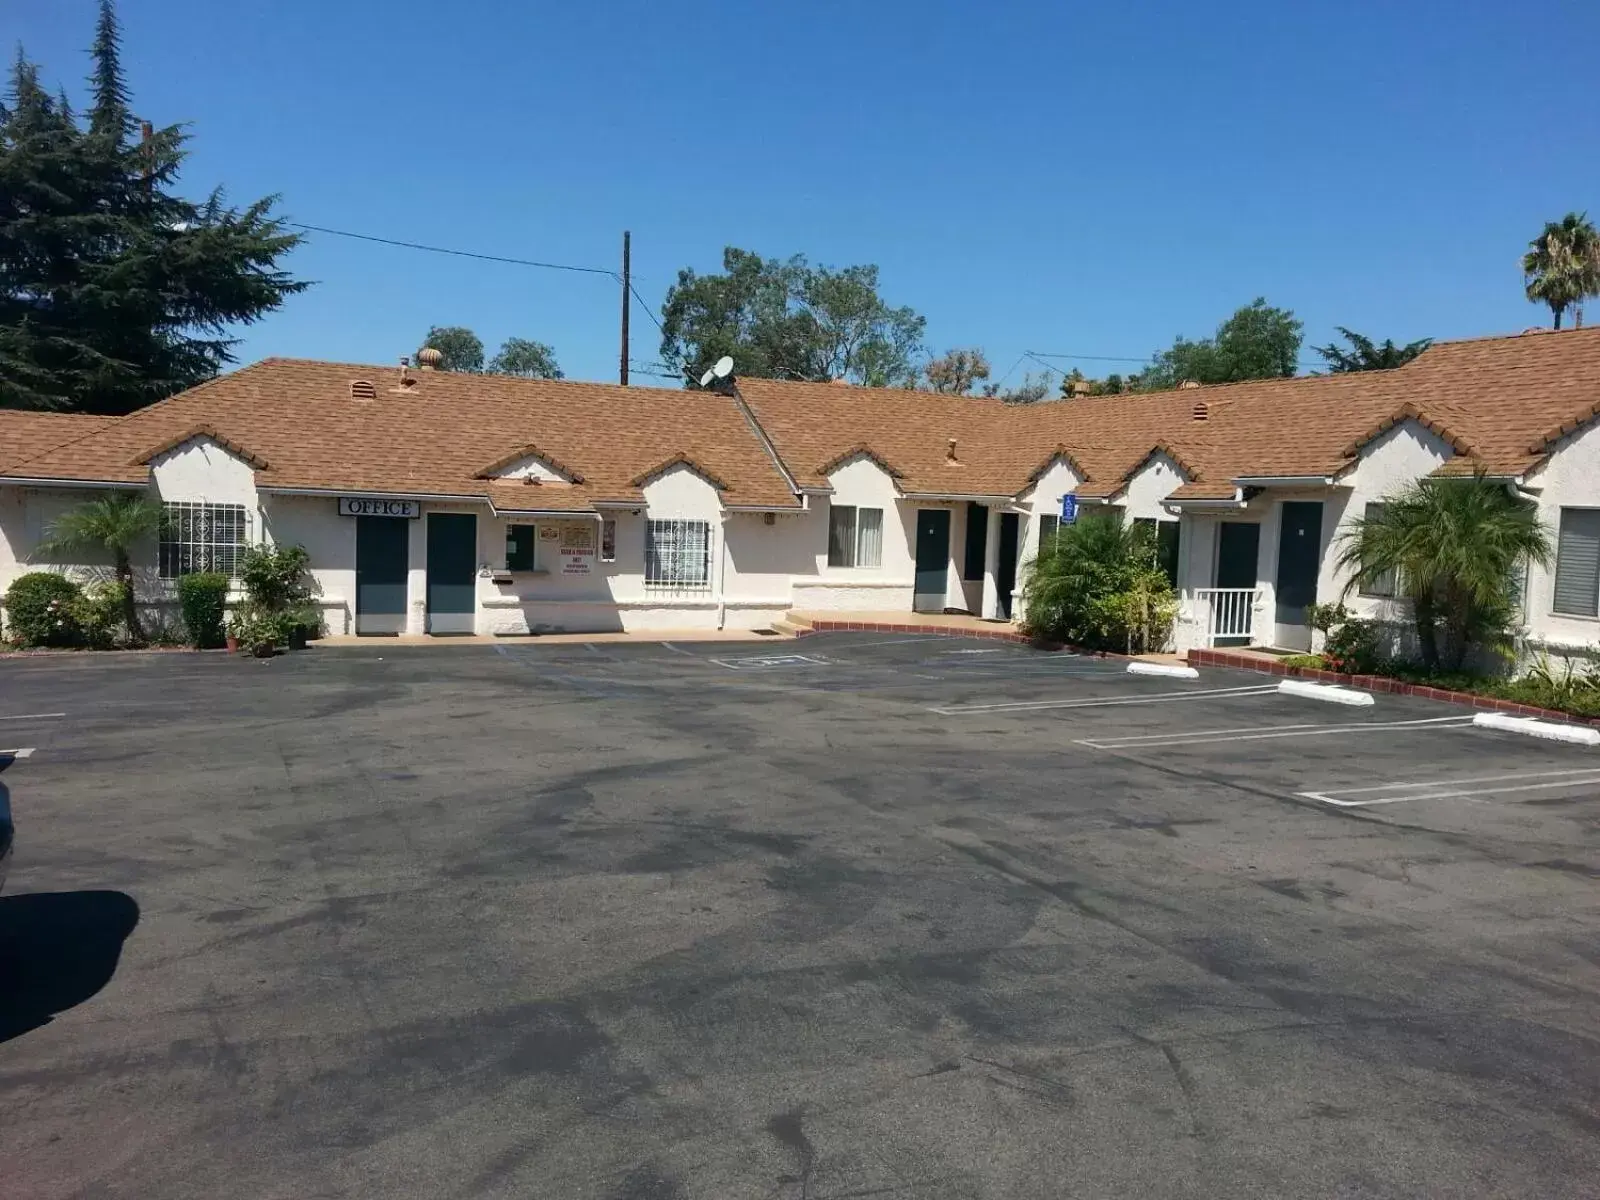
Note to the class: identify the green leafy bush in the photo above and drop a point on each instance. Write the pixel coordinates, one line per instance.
(203, 598)
(1097, 584)
(101, 612)
(1314, 661)
(42, 610)
(274, 577)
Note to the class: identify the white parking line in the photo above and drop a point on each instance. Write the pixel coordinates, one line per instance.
(676, 649)
(24, 752)
(34, 717)
(1445, 789)
(770, 662)
(1150, 741)
(962, 710)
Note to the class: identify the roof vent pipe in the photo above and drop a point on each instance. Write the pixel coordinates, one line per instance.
(429, 358)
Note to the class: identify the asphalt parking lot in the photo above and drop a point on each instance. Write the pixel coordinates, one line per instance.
(853, 916)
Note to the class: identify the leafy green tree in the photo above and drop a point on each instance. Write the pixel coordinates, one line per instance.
(118, 523)
(1097, 584)
(1456, 548)
(1031, 390)
(1562, 265)
(789, 320)
(114, 291)
(1366, 355)
(462, 349)
(956, 371)
(530, 359)
(1256, 342)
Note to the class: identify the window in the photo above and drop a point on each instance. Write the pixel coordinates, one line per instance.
(977, 540)
(1167, 533)
(520, 543)
(855, 536)
(1384, 584)
(608, 540)
(201, 537)
(1049, 523)
(1577, 592)
(677, 554)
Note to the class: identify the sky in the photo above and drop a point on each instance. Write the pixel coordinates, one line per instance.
(1061, 178)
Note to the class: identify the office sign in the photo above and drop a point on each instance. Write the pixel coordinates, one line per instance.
(1069, 509)
(361, 506)
(577, 549)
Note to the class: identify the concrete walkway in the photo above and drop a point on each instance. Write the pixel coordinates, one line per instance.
(643, 635)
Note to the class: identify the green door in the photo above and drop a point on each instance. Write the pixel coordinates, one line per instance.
(452, 572)
(382, 556)
(933, 559)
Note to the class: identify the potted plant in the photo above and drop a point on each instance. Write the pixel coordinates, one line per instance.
(234, 633)
(304, 623)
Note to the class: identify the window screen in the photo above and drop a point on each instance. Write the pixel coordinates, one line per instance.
(608, 540)
(1384, 584)
(842, 535)
(1049, 523)
(1578, 563)
(869, 537)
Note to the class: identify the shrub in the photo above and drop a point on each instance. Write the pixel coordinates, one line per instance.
(42, 610)
(274, 577)
(1096, 584)
(1315, 661)
(101, 612)
(203, 598)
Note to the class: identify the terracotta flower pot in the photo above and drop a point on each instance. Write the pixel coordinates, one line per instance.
(232, 643)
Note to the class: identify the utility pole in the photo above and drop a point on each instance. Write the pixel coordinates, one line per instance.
(627, 288)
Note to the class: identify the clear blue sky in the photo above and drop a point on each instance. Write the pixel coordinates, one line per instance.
(1029, 175)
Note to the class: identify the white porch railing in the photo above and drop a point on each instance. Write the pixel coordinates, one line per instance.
(1226, 612)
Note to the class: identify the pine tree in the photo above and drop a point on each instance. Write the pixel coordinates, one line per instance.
(114, 291)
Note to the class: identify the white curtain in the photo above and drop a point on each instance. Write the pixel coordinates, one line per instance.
(869, 547)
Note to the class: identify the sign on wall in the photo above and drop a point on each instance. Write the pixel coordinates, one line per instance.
(361, 506)
(577, 549)
(1069, 509)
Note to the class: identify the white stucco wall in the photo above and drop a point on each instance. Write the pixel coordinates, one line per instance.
(1570, 479)
(314, 522)
(861, 482)
(1152, 483)
(1042, 498)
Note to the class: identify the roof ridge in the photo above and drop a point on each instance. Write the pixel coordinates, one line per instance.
(1531, 331)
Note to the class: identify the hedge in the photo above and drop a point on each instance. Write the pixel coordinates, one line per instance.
(42, 610)
(203, 597)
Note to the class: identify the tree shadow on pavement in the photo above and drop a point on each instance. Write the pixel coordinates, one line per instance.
(57, 949)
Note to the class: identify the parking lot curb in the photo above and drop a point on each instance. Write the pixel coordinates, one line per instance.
(1382, 683)
(950, 631)
(1331, 692)
(1581, 735)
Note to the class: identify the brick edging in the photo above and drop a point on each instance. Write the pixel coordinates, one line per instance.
(996, 635)
(1382, 683)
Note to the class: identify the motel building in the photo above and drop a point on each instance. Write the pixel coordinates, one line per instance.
(434, 503)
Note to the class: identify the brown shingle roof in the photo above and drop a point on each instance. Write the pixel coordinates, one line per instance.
(1503, 403)
(434, 437)
(24, 434)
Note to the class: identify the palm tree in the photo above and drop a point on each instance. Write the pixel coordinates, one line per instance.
(1562, 264)
(117, 523)
(1456, 547)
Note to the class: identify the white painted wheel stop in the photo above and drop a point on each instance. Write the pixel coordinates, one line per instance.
(1330, 692)
(1167, 669)
(1555, 731)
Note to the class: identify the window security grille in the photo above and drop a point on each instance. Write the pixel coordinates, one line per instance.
(677, 555)
(202, 537)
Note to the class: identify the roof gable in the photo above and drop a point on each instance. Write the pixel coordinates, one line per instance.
(521, 464)
(839, 460)
(205, 433)
(1407, 412)
(680, 459)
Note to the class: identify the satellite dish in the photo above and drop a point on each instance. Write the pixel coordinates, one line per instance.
(723, 367)
(705, 380)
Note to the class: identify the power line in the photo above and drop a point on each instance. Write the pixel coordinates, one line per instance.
(499, 258)
(1037, 354)
(645, 306)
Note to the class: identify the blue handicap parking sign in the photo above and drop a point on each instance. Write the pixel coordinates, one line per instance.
(1069, 509)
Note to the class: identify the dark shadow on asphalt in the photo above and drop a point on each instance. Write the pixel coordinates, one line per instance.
(57, 949)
